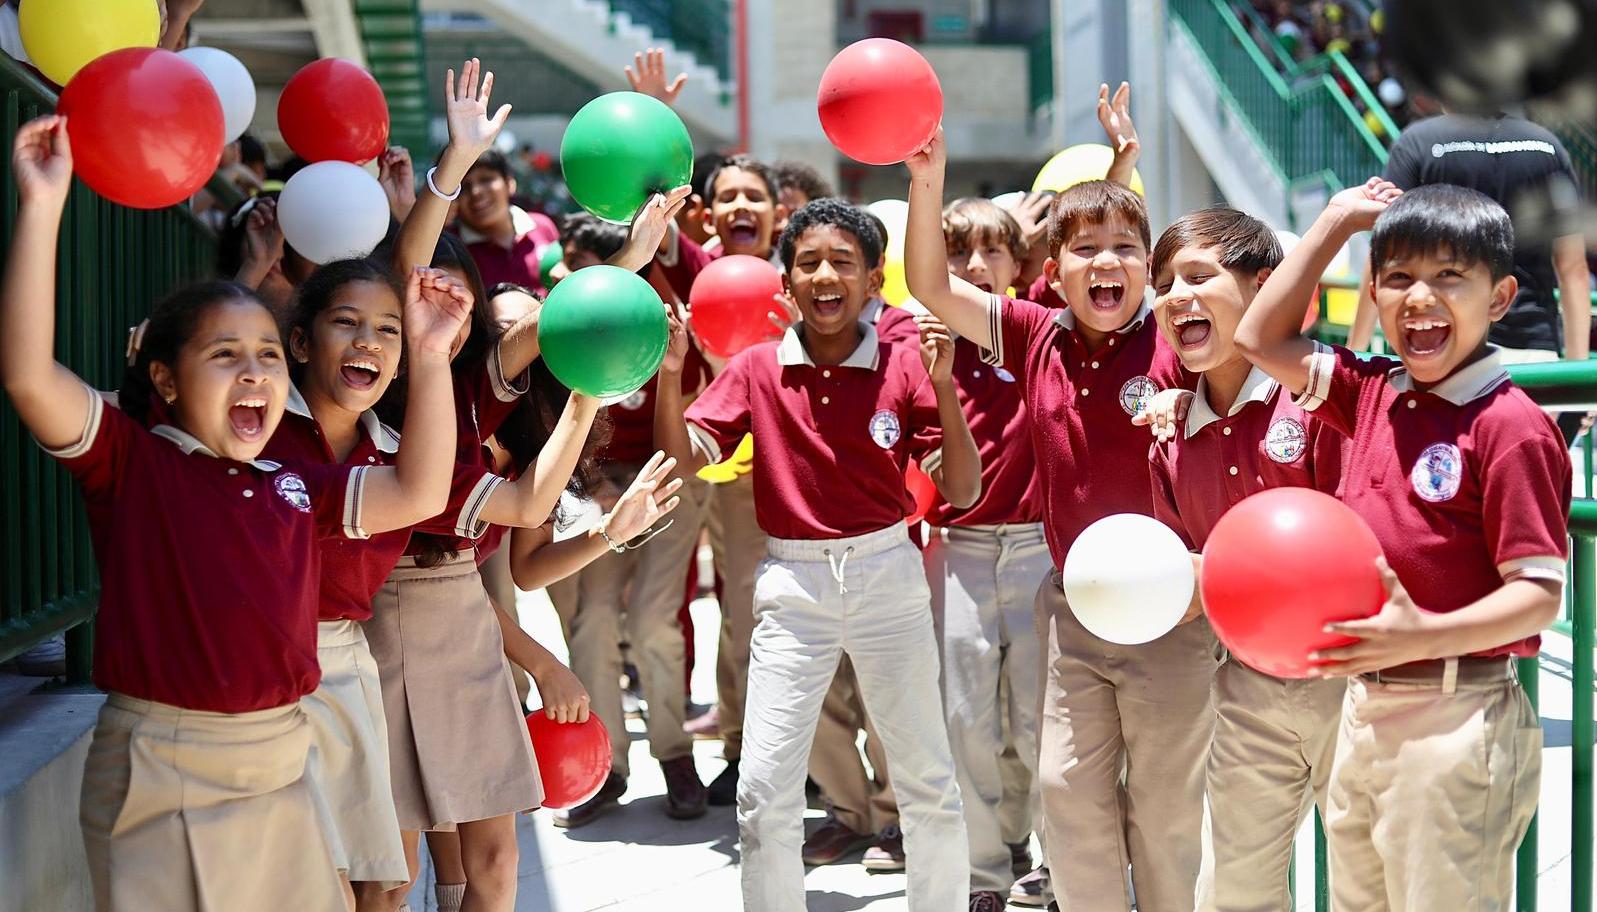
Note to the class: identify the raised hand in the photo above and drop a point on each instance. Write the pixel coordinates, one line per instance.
(437, 305)
(790, 312)
(647, 75)
(263, 236)
(1031, 214)
(676, 349)
(936, 348)
(398, 178)
(41, 159)
(1115, 116)
(649, 227)
(645, 501)
(1365, 203)
(931, 160)
(471, 130)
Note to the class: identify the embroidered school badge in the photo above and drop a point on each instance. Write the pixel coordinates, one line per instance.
(1286, 440)
(885, 429)
(1438, 473)
(634, 401)
(291, 488)
(1135, 394)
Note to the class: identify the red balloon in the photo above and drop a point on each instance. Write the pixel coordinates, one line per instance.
(732, 304)
(1280, 566)
(923, 489)
(145, 126)
(1313, 316)
(880, 101)
(573, 758)
(332, 110)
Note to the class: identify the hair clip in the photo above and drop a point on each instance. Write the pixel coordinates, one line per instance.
(136, 340)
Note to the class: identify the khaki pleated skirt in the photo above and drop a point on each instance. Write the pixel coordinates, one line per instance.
(184, 810)
(348, 767)
(457, 740)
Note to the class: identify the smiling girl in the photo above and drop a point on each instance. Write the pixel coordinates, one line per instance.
(193, 796)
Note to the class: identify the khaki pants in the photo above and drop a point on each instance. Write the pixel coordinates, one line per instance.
(1431, 793)
(605, 611)
(1269, 763)
(984, 585)
(739, 545)
(1125, 735)
(862, 802)
(188, 811)
(814, 602)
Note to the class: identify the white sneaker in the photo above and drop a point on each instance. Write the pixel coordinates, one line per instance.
(1035, 889)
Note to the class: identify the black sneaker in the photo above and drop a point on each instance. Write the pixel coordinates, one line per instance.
(1019, 859)
(585, 813)
(723, 791)
(684, 790)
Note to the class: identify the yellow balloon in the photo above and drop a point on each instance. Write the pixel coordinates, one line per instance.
(61, 36)
(740, 463)
(1077, 164)
(1341, 305)
(895, 288)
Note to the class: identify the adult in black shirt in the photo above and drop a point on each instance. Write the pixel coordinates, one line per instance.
(1513, 161)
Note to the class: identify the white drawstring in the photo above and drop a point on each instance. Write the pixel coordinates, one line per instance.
(838, 567)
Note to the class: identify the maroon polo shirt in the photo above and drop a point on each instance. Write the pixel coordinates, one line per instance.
(834, 441)
(1466, 485)
(1264, 441)
(519, 263)
(1010, 489)
(352, 569)
(1092, 460)
(209, 568)
(632, 419)
(897, 326)
(679, 267)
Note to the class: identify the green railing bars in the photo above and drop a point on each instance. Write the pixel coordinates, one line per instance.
(113, 264)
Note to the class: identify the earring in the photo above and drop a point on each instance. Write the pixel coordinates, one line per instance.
(170, 399)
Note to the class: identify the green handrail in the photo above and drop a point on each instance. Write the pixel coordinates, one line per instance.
(113, 264)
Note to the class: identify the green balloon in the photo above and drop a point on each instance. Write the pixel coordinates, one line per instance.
(551, 255)
(603, 331)
(621, 148)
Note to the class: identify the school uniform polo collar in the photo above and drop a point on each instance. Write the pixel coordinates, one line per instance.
(1066, 319)
(1258, 387)
(1464, 385)
(190, 444)
(790, 352)
(520, 224)
(383, 437)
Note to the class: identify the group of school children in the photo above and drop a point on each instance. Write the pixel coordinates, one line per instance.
(305, 671)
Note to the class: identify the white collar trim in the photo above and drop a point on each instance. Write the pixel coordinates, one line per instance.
(1464, 385)
(1258, 387)
(190, 444)
(790, 352)
(1067, 320)
(385, 437)
(520, 224)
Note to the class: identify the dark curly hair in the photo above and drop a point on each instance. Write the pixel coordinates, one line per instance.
(837, 213)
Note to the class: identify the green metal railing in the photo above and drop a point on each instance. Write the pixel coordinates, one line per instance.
(703, 28)
(113, 264)
(1040, 68)
(391, 32)
(1302, 119)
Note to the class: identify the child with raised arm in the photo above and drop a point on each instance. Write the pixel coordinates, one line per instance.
(836, 415)
(1466, 484)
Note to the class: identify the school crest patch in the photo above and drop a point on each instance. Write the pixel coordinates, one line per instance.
(1437, 474)
(1136, 393)
(1286, 440)
(634, 401)
(885, 429)
(291, 488)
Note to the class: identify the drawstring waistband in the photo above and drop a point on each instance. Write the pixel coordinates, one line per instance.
(839, 567)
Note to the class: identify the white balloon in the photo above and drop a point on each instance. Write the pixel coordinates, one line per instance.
(1288, 239)
(1128, 578)
(1006, 200)
(233, 84)
(1390, 91)
(332, 210)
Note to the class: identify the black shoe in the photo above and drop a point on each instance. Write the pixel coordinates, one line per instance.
(723, 791)
(588, 811)
(986, 901)
(684, 791)
(831, 842)
(1019, 859)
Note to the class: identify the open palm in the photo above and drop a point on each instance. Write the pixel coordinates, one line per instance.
(646, 500)
(466, 108)
(436, 306)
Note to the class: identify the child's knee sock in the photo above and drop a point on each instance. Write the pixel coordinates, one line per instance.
(449, 896)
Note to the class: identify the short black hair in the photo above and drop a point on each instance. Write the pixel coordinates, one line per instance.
(251, 151)
(881, 236)
(600, 238)
(1246, 244)
(803, 178)
(496, 161)
(1443, 219)
(835, 212)
(742, 163)
(704, 165)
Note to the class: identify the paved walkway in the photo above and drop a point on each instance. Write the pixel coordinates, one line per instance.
(635, 858)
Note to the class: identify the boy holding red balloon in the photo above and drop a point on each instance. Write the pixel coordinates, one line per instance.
(838, 414)
(1108, 708)
(1466, 484)
(1274, 737)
